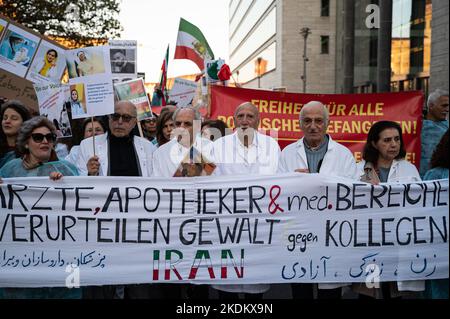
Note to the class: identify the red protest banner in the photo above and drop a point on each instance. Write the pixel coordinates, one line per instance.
(351, 115)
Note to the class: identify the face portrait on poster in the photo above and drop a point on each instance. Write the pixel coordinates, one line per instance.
(17, 49)
(78, 101)
(48, 64)
(123, 61)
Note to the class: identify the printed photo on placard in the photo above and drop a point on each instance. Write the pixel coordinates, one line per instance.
(86, 61)
(3, 24)
(48, 64)
(17, 49)
(78, 101)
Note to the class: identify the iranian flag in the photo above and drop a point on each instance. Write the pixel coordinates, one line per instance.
(163, 79)
(192, 45)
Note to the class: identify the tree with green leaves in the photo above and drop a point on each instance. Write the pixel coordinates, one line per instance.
(81, 22)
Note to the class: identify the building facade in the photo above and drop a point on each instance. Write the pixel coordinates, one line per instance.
(342, 49)
(267, 48)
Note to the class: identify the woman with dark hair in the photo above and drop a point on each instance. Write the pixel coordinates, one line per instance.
(384, 161)
(13, 114)
(35, 142)
(384, 156)
(90, 127)
(164, 127)
(440, 164)
(36, 146)
(213, 129)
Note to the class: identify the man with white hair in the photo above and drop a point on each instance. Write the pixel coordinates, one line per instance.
(246, 152)
(316, 152)
(185, 138)
(434, 126)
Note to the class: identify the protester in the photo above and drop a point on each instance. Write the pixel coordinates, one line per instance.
(168, 157)
(214, 129)
(164, 127)
(440, 164)
(434, 126)
(174, 159)
(317, 152)
(246, 152)
(118, 153)
(13, 114)
(149, 128)
(90, 127)
(384, 161)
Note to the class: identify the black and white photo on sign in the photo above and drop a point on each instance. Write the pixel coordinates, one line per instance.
(123, 61)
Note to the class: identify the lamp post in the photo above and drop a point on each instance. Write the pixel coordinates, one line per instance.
(258, 61)
(304, 32)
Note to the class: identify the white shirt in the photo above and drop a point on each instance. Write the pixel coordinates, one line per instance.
(402, 171)
(338, 160)
(73, 155)
(167, 158)
(144, 151)
(233, 158)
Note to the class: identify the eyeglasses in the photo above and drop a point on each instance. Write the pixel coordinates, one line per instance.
(125, 118)
(39, 137)
(153, 120)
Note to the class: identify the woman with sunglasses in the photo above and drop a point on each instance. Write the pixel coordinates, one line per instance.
(12, 114)
(35, 142)
(36, 145)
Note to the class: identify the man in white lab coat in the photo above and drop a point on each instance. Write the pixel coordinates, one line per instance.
(246, 152)
(316, 152)
(185, 138)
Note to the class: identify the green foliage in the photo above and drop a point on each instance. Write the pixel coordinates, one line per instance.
(81, 22)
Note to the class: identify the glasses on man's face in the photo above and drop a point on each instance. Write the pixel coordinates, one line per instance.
(39, 137)
(125, 118)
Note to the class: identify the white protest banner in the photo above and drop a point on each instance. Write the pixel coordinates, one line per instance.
(221, 230)
(183, 92)
(53, 102)
(123, 59)
(90, 80)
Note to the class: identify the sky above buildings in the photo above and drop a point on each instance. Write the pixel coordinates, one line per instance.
(154, 24)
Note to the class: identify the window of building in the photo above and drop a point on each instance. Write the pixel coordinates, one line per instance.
(325, 8)
(324, 44)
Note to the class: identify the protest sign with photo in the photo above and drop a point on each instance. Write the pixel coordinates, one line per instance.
(123, 59)
(17, 50)
(48, 65)
(134, 91)
(3, 24)
(53, 105)
(183, 92)
(90, 76)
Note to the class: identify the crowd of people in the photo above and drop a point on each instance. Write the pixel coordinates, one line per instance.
(28, 149)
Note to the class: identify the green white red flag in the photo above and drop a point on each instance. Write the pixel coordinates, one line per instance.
(163, 80)
(192, 45)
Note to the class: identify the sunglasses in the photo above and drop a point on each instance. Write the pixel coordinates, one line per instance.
(39, 137)
(117, 116)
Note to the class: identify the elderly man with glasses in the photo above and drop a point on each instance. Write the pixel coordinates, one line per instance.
(118, 153)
